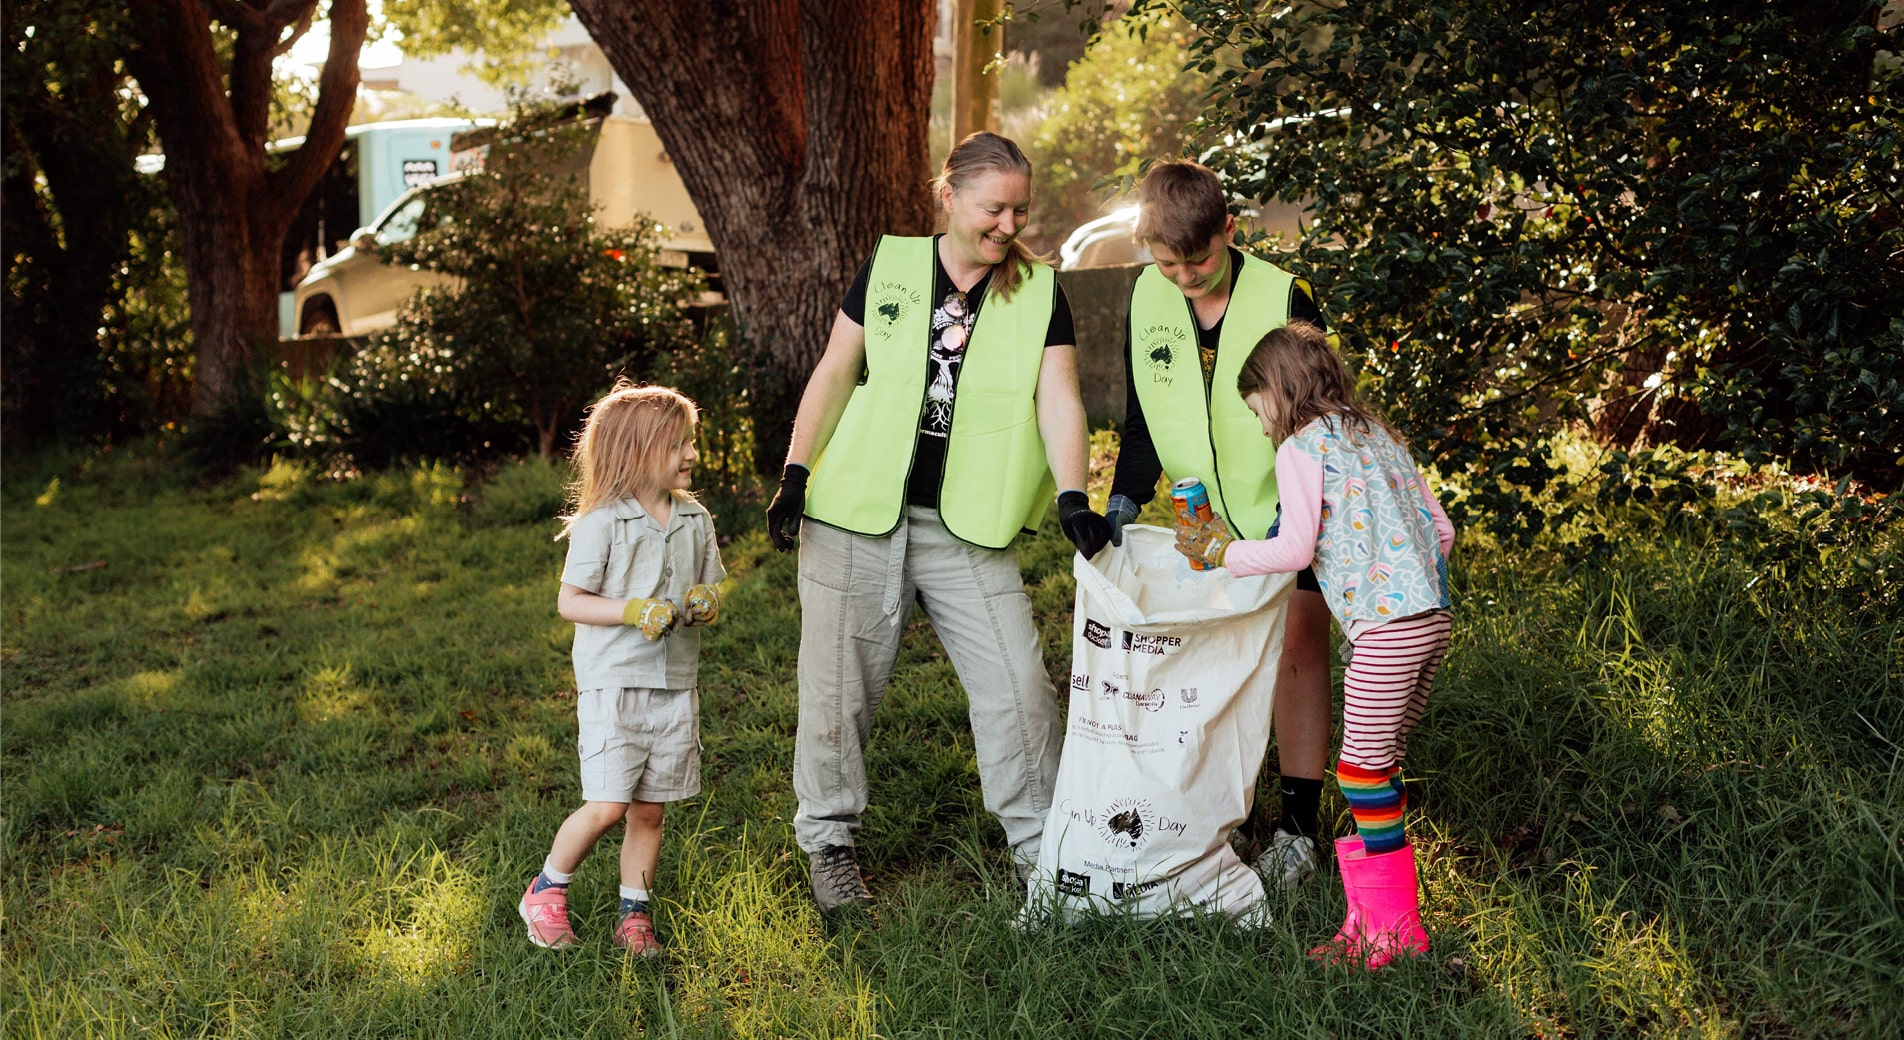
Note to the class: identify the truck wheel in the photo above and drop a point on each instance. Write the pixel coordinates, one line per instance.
(320, 320)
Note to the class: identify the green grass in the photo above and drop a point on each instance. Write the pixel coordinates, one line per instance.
(282, 764)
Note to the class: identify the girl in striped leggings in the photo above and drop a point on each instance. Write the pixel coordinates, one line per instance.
(1354, 507)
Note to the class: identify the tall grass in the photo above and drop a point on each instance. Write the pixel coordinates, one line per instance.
(277, 756)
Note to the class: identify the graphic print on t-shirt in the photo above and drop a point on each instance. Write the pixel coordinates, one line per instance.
(951, 327)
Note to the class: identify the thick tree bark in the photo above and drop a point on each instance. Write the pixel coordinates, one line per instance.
(799, 128)
(233, 208)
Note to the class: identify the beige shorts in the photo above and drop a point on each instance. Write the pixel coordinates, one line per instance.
(639, 744)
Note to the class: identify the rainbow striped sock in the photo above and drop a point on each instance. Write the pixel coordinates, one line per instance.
(1376, 803)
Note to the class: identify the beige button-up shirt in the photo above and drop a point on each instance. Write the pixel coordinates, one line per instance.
(620, 552)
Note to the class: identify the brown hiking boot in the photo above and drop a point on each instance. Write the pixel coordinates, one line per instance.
(836, 879)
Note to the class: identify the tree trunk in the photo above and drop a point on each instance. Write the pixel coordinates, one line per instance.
(234, 312)
(977, 38)
(799, 129)
(233, 208)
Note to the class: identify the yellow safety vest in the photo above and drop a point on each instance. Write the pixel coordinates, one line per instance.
(996, 480)
(1209, 433)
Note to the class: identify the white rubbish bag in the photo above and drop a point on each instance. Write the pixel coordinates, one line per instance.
(1173, 674)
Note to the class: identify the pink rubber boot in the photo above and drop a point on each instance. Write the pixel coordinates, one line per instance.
(1385, 885)
(1347, 943)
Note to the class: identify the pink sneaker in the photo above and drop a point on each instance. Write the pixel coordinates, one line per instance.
(547, 915)
(636, 934)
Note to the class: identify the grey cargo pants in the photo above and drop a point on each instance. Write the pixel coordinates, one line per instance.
(855, 595)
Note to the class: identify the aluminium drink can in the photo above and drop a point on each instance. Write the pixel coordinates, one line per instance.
(1192, 505)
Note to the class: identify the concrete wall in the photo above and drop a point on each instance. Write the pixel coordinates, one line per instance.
(1100, 305)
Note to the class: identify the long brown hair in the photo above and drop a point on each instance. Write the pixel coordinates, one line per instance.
(1302, 380)
(622, 445)
(986, 152)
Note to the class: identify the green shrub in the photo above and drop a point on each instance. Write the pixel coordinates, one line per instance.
(1666, 223)
(714, 374)
(1128, 100)
(545, 307)
(406, 396)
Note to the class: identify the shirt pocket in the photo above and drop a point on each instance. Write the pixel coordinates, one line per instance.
(635, 557)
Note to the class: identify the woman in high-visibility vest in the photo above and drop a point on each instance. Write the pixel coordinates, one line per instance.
(927, 438)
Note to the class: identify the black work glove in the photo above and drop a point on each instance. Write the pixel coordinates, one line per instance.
(1088, 531)
(788, 506)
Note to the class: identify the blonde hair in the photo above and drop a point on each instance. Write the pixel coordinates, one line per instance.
(1180, 205)
(981, 153)
(620, 450)
(1302, 380)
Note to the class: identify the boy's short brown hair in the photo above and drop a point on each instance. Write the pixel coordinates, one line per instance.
(1181, 206)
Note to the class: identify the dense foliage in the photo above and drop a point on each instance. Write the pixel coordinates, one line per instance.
(1127, 100)
(504, 39)
(93, 302)
(1679, 223)
(543, 308)
(99, 342)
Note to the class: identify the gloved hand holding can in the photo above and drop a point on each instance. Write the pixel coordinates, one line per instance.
(1192, 505)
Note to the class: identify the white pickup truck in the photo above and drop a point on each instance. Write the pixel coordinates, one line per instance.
(354, 292)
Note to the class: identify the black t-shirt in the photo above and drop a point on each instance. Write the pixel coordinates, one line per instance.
(1137, 464)
(952, 319)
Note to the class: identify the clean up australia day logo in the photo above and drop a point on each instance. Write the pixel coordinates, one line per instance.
(1157, 349)
(1130, 823)
(1127, 824)
(887, 304)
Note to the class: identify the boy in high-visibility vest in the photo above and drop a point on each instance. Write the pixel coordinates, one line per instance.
(1194, 317)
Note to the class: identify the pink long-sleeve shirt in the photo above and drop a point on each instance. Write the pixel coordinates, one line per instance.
(1299, 483)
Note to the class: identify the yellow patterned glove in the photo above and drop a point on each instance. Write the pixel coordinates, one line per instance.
(1206, 540)
(703, 605)
(655, 617)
